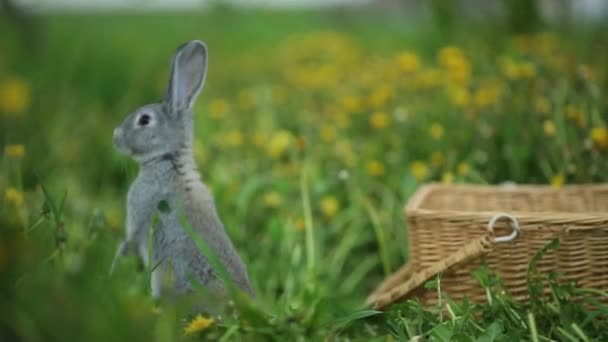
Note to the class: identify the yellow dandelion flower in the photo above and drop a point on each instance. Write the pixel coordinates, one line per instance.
(234, 138)
(460, 73)
(419, 170)
(198, 324)
(436, 131)
(447, 178)
(509, 68)
(463, 168)
(437, 159)
(408, 62)
(273, 199)
(558, 180)
(450, 55)
(374, 168)
(428, 78)
(13, 196)
(14, 96)
(352, 104)
(487, 95)
(460, 97)
(14, 151)
(328, 133)
(379, 120)
(219, 108)
(456, 63)
(576, 115)
(599, 136)
(345, 152)
(380, 96)
(549, 128)
(279, 143)
(527, 70)
(542, 105)
(329, 206)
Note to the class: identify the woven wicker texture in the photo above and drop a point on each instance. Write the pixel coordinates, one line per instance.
(444, 219)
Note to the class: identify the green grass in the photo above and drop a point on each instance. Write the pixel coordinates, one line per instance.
(318, 219)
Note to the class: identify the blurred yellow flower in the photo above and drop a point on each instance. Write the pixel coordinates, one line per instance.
(558, 180)
(437, 159)
(463, 168)
(436, 131)
(487, 95)
(374, 168)
(509, 68)
(13, 196)
(460, 96)
(219, 108)
(518, 71)
(380, 96)
(328, 133)
(352, 104)
(549, 128)
(379, 120)
(279, 143)
(599, 136)
(273, 199)
(14, 96)
(329, 206)
(527, 70)
(456, 63)
(447, 178)
(234, 138)
(14, 151)
(449, 56)
(408, 62)
(542, 105)
(419, 170)
(576, 115)
(427, 78)
(198, 324)
(345, 152)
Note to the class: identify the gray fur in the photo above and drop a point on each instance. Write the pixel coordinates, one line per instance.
(168, 172)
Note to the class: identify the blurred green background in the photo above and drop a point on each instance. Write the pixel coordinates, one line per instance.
(314, 127)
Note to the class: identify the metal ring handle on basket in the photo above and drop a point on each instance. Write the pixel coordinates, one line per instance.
(516, 230)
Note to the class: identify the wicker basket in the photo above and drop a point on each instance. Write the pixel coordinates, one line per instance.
(449, 232)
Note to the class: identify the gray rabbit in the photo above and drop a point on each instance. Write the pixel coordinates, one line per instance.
(159, 137)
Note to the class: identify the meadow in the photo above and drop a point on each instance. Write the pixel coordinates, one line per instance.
(313, 130)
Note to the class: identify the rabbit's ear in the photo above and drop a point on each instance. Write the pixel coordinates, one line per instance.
(188, 70)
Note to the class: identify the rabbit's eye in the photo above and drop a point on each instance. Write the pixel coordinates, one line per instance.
(143, 120)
